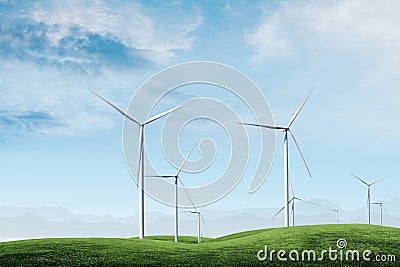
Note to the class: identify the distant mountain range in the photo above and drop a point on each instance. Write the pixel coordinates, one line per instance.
(23, 223)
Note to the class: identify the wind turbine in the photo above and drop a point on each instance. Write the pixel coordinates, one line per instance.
(199, 217)
(293, 199)
(176, 177)
(141, 151)
(369, 194)
(337, 214)
(380, 203)
(286, 130)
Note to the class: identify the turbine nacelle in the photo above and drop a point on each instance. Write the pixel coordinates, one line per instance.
(131, 118)
(368, 184)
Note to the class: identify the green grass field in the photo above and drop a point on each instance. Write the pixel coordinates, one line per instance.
(234, 250)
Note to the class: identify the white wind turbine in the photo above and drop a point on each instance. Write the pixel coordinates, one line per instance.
(380, 203)
(369, 194)
(286, 130)
(141, 151)
(337, 214)
(199, 217)
(176, 177)
(293, 199)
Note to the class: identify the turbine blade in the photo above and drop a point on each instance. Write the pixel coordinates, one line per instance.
(187, 193)
(201, 209)
(301, 154)
(160, 176)
(364, 182)
(129, 117)
(141, 147)
(184, 161)
(264, 126)
(202, 219)
(291, 189)
(308, 201)
(385, 210)
(384, 196)
(299, 108)
(162, 114)
(276, 214)
(379, 180)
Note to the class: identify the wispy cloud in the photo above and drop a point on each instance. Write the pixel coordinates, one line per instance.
(350, 49)
(59, 96)
(51, 51)
(340, 25)
(29, 120)
(268, 39)
(93, 31)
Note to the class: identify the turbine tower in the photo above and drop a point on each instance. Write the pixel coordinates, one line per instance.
(286, 130)
(141, 151)
(337, 214)
(176, 177)
(368, 194)
(199, 217)
(292, 200)
(380, 203)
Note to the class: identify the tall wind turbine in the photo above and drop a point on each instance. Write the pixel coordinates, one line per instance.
(292, 200)
(286, 130)
(199, 217)
(176, 177)
(369, 194)
(337, 214)
(141, 151)
(380, 203)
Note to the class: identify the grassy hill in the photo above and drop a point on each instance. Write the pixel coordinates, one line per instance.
(234, 250)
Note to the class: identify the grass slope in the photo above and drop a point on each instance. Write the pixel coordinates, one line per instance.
(234, 250)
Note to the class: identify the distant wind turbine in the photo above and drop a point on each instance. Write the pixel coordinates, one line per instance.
(292, 200)
(199, 217)
(286, 130)
(141, 151)
(369, 194)
(337, 214)
(176, 177)
(380, 203)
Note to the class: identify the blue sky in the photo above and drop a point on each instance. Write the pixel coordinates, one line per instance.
(61, 146)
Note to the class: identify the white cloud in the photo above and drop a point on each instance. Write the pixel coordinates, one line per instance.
(343, 24)
(53, 32)
(267, 39)
(352, 48)
(125, 21)
(59, 94)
